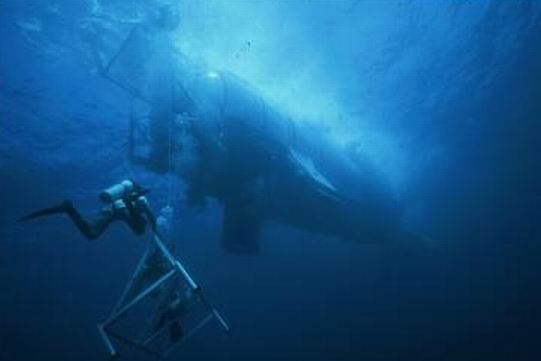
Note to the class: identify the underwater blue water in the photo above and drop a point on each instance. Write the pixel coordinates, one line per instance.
(443, 96)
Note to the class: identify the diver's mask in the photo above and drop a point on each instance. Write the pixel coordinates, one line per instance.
(121, 190)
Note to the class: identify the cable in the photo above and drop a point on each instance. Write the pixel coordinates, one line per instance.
(170, 151)
(131, 140)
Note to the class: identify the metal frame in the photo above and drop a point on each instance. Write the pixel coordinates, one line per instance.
(104, 69)
(109, 336)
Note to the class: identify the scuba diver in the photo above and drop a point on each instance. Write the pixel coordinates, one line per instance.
(125, 202)
(173, 312)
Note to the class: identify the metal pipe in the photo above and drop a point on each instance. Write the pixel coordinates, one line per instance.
(110, 348)
(139, 298)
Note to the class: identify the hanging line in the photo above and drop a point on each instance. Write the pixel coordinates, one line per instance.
(131, 140)
(170, 148)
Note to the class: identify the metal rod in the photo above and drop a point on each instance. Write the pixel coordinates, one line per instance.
(164, 249)
(221, 320)
(192, 283)
(105, 332)
(135, 344)
(192, 332)
(131, 281)
(139, 297)
(186, 275)
(120, 50)
(134, 92)
(110, 348)
(215, 312)
(151, 338)
(175, 262)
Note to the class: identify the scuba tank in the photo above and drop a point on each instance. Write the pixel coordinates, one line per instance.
(117, 191)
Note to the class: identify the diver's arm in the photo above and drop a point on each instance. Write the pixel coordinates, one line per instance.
(166, 240)
(152, 220)
(142, 206)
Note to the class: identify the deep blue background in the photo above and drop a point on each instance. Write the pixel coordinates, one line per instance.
(447, 97)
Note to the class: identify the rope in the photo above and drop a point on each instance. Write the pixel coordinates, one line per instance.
(131, 140)
(170, 166)
(170, 153)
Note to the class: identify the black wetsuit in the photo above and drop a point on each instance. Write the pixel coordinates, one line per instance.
(171, 318)
(133, 211)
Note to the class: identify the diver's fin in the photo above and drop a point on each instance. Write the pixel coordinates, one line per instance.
(60, 208)
(240, 229)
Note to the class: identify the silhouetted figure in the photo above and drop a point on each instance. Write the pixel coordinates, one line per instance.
(125, 202)
(171, 316)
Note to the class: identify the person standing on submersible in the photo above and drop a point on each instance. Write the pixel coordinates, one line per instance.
(125, 202)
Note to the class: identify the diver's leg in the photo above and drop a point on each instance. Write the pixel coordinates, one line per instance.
(90, 230)
(93, 229)
(175, 331)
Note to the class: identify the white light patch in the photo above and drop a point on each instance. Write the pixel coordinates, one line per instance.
(308, 165)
